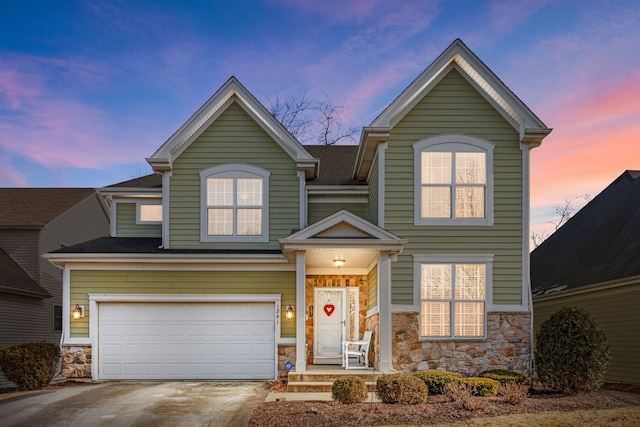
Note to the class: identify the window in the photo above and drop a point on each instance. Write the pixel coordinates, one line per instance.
(149, 212)
(453, 295)
(57, 317)
(453, 181)
(234, 203)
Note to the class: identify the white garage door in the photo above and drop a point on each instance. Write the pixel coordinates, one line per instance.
(186, 341)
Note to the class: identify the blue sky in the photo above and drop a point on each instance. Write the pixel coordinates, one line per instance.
(89, 89)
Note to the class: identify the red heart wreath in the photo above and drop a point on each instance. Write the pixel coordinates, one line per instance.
(329, 309)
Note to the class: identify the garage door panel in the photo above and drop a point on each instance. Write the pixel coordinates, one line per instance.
(186, 340)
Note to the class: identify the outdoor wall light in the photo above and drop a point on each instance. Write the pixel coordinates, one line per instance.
(339, 262)
(78, 312)
(289, 312)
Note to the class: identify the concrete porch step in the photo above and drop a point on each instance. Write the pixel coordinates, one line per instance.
(319, 387)
(322, 381)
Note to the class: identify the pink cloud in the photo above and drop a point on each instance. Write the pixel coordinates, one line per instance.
(41, 126)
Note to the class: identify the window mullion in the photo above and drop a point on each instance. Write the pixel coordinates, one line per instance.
(452, 308)
(235, 207)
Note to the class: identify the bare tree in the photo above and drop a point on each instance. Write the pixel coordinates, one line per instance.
(312, 120)
(563, 213)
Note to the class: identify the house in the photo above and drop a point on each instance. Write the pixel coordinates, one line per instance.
(593, 262)
(249, 254)
(34, 221)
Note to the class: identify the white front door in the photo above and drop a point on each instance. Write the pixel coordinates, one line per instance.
(329, 325)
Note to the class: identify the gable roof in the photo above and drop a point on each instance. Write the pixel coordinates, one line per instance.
(457, 56)
(232, 91)
(599, 243)
(14, 280)
(37, 206)
(153, 180)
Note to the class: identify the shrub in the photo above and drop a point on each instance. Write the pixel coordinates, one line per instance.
(504, 376)
(482, 386)
(349, 389)
(462, 394)
(436, 380)
(571, 353)
(513, 392)
(30, 365)
(401, 388)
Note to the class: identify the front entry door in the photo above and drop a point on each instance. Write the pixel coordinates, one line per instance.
(329, 328)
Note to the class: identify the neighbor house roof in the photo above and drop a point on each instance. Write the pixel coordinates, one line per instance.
(15, 280)
(37, 206)
(600, 243)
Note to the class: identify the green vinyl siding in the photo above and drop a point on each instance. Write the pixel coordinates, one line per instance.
(453, 106)
(126, 223)
(85, 282)
(318, 211)
(617, 312)
(233, 138)
(372, 206)
(372, 287)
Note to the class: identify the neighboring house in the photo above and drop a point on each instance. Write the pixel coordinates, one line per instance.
(249, 252)
(593, 262)
(34, 221)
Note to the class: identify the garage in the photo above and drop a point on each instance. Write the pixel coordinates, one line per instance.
(186, 340)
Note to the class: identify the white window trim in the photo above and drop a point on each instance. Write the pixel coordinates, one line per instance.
(237, 169)
(139, 203)
(418, 260)
(446, 143)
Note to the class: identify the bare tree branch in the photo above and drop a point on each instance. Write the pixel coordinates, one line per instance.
(312, 120)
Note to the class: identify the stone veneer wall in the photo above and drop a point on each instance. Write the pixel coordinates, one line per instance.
(286, 353)
(507, 346)
(337, 280)
(76, 361)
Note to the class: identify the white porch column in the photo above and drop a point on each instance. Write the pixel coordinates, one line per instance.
(384, 305)
(301, 336)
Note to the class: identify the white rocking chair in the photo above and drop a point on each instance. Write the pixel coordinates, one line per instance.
(359, 349)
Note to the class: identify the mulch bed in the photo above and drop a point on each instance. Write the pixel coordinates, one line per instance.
(438, 409)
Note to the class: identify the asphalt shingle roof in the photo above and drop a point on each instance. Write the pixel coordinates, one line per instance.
(336, 164)
(599, 243)
(153, 180)
(36, 206)
(14, 279)
(144, 245)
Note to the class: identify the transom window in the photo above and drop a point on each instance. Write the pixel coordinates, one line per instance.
(234, 203)
(453, 297)
(453, 181)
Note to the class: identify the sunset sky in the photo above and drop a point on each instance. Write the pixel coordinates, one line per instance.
(89, 89)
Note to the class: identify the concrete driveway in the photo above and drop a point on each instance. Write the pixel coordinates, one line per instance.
(195, 403)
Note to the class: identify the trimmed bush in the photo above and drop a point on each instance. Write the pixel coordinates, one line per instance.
(30, 365)
(484, 387)
(571, 353)
(504, 375)
(401, 388)
(349, 389)
(437, 380)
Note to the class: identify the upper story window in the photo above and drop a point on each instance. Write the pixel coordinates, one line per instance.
(149, 212)
(453, 181)
(234, 200)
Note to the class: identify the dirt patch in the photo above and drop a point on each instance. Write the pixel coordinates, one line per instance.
(438, 409)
